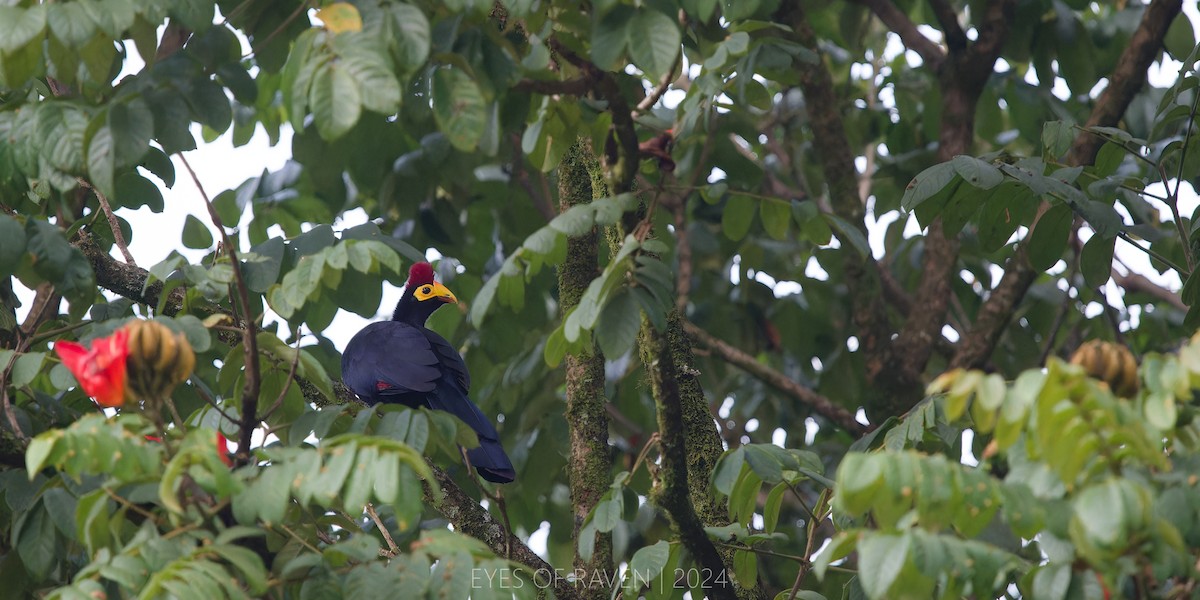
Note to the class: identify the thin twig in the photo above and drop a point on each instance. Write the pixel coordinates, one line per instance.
(303, 541)
(822, 501)
(818, 403)
(175, 414)
(249, 336)
(656, 94)
(209, 400)
(53, 333)
(131, 506)
(118, 237)
(653, 441)
(1067, 301)
(393, 549)
(1153, 254)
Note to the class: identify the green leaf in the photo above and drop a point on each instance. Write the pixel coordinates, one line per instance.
(451, 577)
(618, 325)
(379, 88)
(858, 478)
(764, 462)
(459, 108)
(19, 26)
(744, 497)
(610, 36)
(881, 558)
(776, 217)
(745, 567)
(556, 348)
(1095, 261)
(132, 125)
(772, 506)
(728, 468)
(646, 566)
(336, 101)
(410, 46)
(1161, 410)
(100, 157)
(36, 541)
(1101, 216)
(71, 23)
(926, 184)
(1108, 517)
(196, 235)
(607, 513)
(1057, 137)
(1049, 237)
(12, 245)
(654, 41)
(848, 234)
(135, 191)
(39, 450)
(737, 215)
(26, 368)
(976, 172)
(483, 300)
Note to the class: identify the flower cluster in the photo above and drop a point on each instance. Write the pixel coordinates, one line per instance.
(144, 360)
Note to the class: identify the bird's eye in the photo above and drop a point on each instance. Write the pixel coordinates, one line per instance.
(427, 289)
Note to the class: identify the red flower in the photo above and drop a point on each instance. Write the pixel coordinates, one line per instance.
(100, 370)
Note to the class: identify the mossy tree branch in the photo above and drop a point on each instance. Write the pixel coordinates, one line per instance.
(673, 491)
(472, 519)
(587, 422)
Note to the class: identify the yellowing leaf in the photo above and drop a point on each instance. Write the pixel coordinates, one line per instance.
(340, 17)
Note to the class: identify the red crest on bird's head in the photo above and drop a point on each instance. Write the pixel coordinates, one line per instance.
(420, 274)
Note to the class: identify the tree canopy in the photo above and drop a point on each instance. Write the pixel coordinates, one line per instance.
(769, 298)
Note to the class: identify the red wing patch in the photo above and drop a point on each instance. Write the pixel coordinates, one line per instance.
(383, 385)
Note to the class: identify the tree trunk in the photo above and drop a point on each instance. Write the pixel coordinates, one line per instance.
(590, 463)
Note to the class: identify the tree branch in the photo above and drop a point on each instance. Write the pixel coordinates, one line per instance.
(897, 21)
(43, 308)
(1136, 283)
(837, 164)
(956, 38)
(123, 279)
(468, 517)
(249, 335)
(673, 494)
(963, 78)
(1126, 80)
(118, 237)
(818, 403)
(590, 469)
(580, 86)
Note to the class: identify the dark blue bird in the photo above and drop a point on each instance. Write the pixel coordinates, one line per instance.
(400, 361)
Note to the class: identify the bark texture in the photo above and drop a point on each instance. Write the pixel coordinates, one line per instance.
(589, 474)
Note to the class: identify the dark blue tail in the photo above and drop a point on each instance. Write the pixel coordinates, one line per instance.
(491, 462)
(489, 458)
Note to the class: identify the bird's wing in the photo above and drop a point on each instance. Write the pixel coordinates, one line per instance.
(449, 357)
(390, 358)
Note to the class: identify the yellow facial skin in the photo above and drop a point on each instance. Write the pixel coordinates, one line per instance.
(436, 291)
